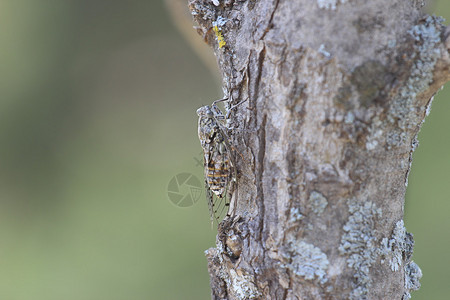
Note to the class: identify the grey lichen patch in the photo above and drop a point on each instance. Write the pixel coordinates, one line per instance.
(306, 260)
(294, 215)
(427, 39)
(398, 250)
(220, 21)
(358, 243)
(329, 4)
(243, 285)
(412, 277)
(318, 202)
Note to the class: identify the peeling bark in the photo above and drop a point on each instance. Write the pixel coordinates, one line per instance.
(337, 92)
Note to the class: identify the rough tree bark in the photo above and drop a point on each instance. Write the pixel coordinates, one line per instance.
(337, 91)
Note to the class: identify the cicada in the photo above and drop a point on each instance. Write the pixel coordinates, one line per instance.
(220, 170)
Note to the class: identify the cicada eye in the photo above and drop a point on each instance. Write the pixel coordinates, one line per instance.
(204, 111)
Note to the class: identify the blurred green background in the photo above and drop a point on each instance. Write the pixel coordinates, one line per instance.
(97, 114)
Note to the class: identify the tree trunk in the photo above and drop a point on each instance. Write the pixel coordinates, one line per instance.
(337, 91)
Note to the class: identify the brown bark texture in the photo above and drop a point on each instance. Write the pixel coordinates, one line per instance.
(336, 93)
